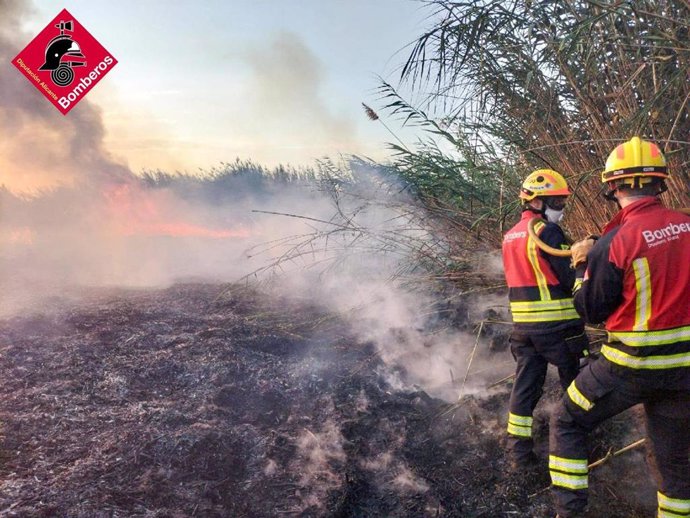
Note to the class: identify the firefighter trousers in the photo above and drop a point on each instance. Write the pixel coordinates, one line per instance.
(533, 353)
(602, 390)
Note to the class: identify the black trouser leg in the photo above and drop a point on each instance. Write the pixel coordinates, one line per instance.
(563, 349)
(670, 442)
(593, 397)
(568, 372)
(527, 389)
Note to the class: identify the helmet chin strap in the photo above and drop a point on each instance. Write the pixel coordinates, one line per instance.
(610, 195)
(528, 206)
(541, 211)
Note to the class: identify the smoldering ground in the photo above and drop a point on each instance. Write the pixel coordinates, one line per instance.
(172, 402)
(326, 242)
(217, 401)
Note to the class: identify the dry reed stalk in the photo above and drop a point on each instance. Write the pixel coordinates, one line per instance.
(502, 380)
(558, 85)
(469, 363)
(610, 454)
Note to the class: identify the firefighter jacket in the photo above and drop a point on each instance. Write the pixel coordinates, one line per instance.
(637, 279)
(539, 284)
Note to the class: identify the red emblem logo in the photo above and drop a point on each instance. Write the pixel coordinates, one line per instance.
(64, 62)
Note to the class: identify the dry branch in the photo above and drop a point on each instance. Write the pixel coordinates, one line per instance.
(610, 454)
(469, 362)
(603, 460)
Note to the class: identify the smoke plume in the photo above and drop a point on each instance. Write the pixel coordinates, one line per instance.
(72, 216)
(291, 116)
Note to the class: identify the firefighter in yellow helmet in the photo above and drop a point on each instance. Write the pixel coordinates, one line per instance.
(634, 164)
(636, 279)
(546, 327)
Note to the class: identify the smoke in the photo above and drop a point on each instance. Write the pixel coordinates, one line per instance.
(128, 234)
(73, 216)
(351, 246)
(440, 359)
(320, 458)
(291, 117)
(54, 171)
(392, 473)
(40, 148)
(365, 265)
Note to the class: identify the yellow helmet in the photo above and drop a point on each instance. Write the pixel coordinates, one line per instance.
(543, 182)
(633, 159)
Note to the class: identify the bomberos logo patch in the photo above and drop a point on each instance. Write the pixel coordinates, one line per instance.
(64, 62)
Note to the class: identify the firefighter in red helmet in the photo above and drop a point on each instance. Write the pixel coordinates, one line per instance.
(546, 327)
(636, 279)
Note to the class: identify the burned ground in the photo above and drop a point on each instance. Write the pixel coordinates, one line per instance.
(179, 403)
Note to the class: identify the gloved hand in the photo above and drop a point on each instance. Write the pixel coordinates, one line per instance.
(580, 250)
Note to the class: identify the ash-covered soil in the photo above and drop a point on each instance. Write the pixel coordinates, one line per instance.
(175, 403)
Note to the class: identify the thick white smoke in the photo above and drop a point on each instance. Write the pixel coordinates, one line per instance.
(76, 217)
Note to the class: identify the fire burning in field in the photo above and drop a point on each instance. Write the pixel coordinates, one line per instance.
(181, 229)
(19, 236)
(133, 211)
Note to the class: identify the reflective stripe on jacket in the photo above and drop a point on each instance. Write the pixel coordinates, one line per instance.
(539, 284)
(638, 281)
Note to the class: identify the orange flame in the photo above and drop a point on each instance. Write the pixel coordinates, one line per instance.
(137, 212)
(184, 230)
(22, 236)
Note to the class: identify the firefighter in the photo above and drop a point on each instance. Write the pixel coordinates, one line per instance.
(546, 327)
(636, 279)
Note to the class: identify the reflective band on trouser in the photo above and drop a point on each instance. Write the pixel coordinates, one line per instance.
(643, 299)
(520, 425)
(666, 361)
(568, 473)
(578, 398)
(650, 338)
(543, 310)
(672, 507)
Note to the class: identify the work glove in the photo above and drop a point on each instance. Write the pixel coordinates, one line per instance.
(580, 250)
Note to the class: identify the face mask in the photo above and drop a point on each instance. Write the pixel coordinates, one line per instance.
(553, 216)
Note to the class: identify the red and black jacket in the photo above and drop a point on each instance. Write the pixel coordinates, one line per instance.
(539, 284)
(637, 279)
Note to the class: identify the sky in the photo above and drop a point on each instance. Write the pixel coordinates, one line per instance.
(274, 81)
